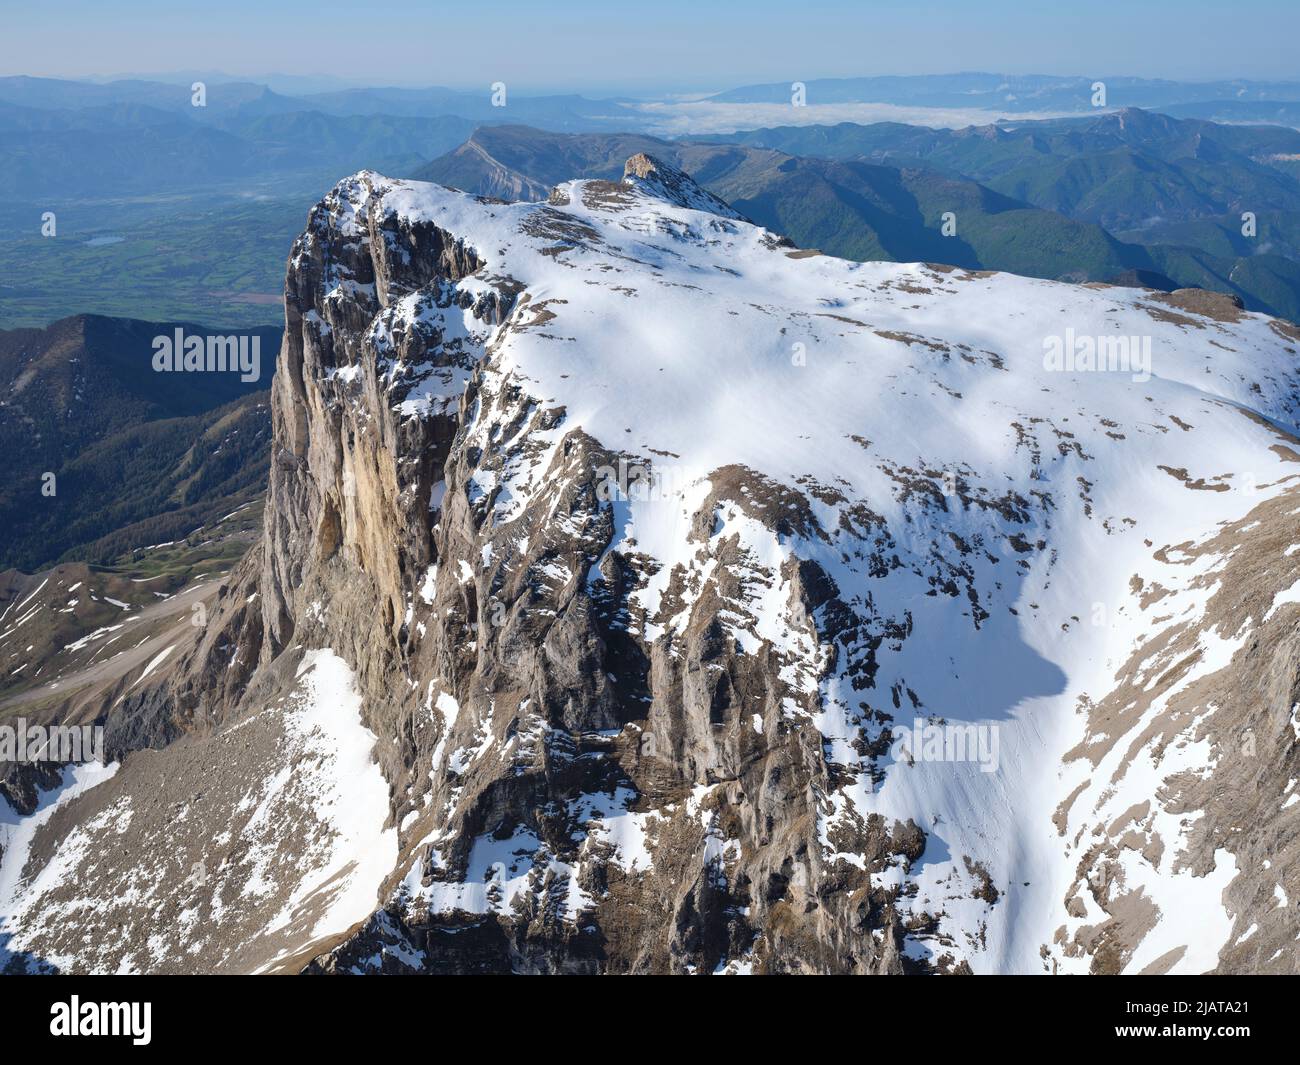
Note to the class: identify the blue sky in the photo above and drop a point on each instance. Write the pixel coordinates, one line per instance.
(659, 45)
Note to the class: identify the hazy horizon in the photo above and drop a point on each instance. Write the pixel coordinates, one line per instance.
(308, 84)
(611, 50)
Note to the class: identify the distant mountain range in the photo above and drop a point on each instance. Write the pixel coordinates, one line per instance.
(1009, 94)
(197, 204)
(1016, 93)
(124, 149)
(881, 192)
(1122, 169)
(851, 209)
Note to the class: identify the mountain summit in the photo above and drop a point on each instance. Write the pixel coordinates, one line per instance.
(674, 186)
(638, 593)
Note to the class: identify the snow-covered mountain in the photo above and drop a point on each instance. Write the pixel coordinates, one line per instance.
(710, 605)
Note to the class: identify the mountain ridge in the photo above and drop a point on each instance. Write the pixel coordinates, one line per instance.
(887, 208)
(136, 456)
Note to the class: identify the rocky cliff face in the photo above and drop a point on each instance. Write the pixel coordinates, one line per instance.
(712, 606)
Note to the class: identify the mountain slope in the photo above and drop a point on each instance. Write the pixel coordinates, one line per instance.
(514, 162)
(852, 209)
(649, 550)
(137, 456)
(1119, 169)
(1163, 185)
(104, 152)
